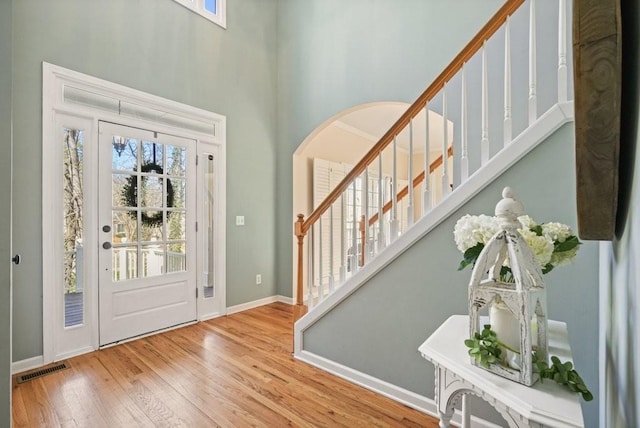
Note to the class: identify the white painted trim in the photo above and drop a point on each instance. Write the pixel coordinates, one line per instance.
(286, 300)
(605, 261)
(386, 389)
(543, 127)
(257, 303)
(28, 364)
(67, 92)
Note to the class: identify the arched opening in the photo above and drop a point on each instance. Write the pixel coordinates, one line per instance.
(342, 140)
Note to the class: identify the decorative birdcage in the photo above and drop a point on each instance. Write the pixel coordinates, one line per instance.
(507, 276)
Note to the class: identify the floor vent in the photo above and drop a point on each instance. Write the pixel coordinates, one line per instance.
(42, 372)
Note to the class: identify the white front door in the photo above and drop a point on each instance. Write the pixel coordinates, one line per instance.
(147, 231)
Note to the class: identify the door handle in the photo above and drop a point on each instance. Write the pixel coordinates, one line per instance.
(16, 259)
(106, 245)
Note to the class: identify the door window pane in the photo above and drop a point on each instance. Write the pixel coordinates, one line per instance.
(176, 225)
(176, 161)
(125, 190)
(152, 260)
(125, 263)
(176, 257)
(124, 154)
(152, 154)
(124, 227)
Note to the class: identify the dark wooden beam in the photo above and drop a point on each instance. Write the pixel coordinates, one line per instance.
(597, 56)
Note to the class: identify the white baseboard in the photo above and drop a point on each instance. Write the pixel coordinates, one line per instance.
(260, 302)
(394, 392)
(28, 364)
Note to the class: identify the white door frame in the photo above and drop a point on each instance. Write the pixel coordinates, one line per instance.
(74, 99)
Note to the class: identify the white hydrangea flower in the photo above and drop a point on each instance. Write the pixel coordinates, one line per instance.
(542, 246)
(526, 222)
(471, 230)
(556, 231)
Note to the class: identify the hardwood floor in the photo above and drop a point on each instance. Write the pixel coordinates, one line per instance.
(233, 371)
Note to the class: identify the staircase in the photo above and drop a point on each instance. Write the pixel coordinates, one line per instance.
(502, 95)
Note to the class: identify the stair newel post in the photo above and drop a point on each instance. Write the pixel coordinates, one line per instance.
(507, 83)
(562, 51)
(484, 143)
(426, 196)
(464, 155)
(300, 309)
(410, 178)
(394, 194)
(533, 102)
(381, 239)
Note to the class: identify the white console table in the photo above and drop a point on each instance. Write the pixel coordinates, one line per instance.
(541, 405)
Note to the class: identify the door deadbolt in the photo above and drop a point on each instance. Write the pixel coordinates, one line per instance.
(106, 228)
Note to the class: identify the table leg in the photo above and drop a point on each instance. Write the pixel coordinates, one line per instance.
(466, 416)
(445, 419)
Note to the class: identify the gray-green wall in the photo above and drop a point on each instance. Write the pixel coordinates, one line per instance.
(620, 295)
(336, 54)
(5, 213)
(159, 47)
(378, 329)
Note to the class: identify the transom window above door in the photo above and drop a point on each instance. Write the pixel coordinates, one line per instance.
(213, 10)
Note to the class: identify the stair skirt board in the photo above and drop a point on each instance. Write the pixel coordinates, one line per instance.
(547, 124)
(401, 395)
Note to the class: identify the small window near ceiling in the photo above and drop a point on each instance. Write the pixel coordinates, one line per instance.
(213, 10)
(210, 6)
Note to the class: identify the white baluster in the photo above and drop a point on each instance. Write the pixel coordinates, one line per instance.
(533, 103)
(394, 194)
(445, 142)
(562, 52)
(464, 156)
(484, 143)
(320, 261)
(410, 173)
(508, 129)
(426, 196)
(381, 235)
(343, 254)
(365, 201)
(354, 232)
(311, 270)
(331, 276)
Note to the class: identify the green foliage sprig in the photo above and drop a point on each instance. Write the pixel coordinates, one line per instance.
(564, 374)
(485, 348)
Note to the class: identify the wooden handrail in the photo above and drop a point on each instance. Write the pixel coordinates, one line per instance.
(469, 50)
(416, 181)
